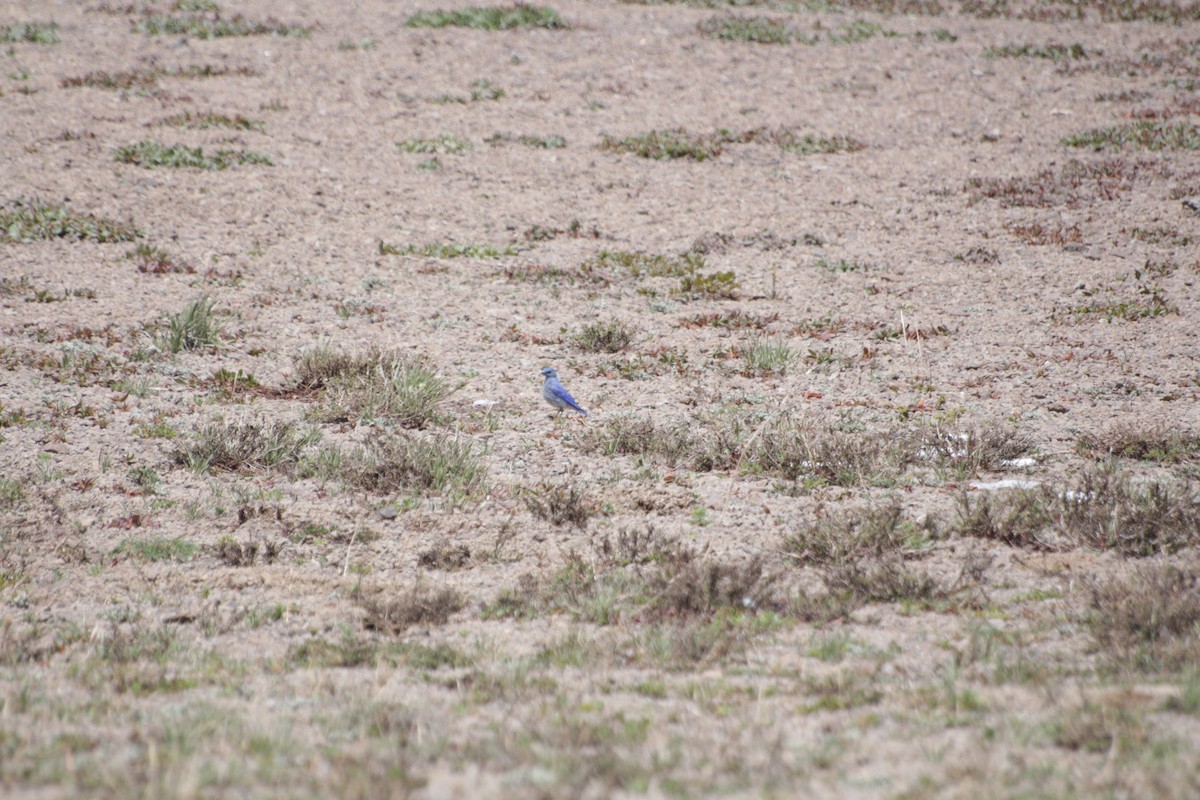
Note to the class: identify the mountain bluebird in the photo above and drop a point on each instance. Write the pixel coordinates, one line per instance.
(556, 394)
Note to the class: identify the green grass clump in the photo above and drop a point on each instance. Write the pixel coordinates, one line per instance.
(1143, 134)
(490, 18)
(30, 33)
(448, 250)
(193, 328)
(212, 119)
(213, 26)
(151, 154)
(768, 357)
(157, 548)
(27, 221)
(667, 144)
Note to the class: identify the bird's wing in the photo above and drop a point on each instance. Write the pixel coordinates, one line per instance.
(559, 391)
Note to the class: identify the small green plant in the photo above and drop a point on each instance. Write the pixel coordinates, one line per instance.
(551, 142)
(767, 356)
(30, 33)
(146, 478)
(193, 328)
(490, 18)
(25, 221)
(605, 337)
(150, 154)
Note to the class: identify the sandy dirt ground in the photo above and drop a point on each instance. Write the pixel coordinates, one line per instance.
(918, 258)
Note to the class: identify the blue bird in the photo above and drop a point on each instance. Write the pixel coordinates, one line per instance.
(556, 394)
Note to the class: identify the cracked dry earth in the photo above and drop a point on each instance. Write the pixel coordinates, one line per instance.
(887, 329)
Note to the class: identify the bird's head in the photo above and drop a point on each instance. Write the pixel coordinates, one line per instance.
(550, 372)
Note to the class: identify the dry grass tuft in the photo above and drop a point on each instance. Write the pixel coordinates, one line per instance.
(1142, 443)
(248, 445)
(418, 606)
(840, 539)
(559, 504)
(1149, 619)
(1104, 509)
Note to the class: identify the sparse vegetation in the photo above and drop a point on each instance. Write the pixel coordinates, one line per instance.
(559, 504)
(381, 386)
(605, 337)
(1058, 53)
(418, 606)
(1148, 619)
(1142, 134)
(212, 119)
(438, 464)
(1142, 443)
(25, 221)
(157, 548)
(1075, 183)
(448, 250)
(210, 24)
(244, 446)
(858, 510)
(150, 154)
(30, 33)
(666, 144)
(157, 261)
(490, 18)
(758, 29)
(1102, 509)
